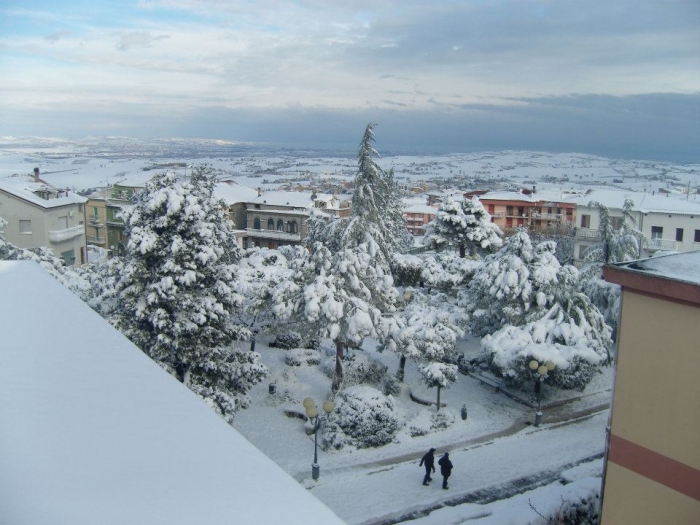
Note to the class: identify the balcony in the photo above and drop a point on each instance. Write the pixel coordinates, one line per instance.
(497, 214)
(93, 221)
(661, 244)
(273, 234)
(587, 233)
(115, 221)
(99, 241)
(547, 216)
(66, 234)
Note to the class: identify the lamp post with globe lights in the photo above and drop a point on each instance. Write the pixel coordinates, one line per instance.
(314, 416)
(542, 371)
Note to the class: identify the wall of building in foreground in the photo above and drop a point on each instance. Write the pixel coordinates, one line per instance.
(653, 467)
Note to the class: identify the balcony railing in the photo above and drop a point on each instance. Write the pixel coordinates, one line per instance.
(587, 233)
(273, 234)
(661, 244)
(67, 234)
(99, 241)
(497, 214)
(97, 223)
(547, 216)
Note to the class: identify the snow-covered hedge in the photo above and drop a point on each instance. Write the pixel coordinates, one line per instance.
(427, 421)
(302, 356)
(358, 369)
(363, 417)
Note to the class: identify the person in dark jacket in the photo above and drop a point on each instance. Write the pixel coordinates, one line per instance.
(429, 461)
(445, 468)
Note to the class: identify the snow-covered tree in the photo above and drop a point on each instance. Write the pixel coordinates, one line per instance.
(440, 375)
(397, 234)
(515, 285)
(176, 295)
(426, 330)
(466, 224)
(338, 296)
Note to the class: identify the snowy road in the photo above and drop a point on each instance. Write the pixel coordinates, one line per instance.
(375, 495)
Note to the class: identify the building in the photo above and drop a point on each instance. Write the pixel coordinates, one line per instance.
(39, 214)
(417, 216)
(652, 467)
(279, 218)
(669, 223)
(93, 431)
(540, 211)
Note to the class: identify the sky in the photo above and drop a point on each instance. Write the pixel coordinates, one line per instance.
(615, 78)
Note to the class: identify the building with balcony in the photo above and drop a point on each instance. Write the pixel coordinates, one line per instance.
(277, 218)
(417, 216)
(652, 461)
(39, 214)
(670, 223)
(539, 211)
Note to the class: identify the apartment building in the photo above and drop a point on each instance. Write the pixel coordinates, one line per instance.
(39, 214)
(545, 211)
(278, 218)
(417, 216)
(652, 463)
(670, 223)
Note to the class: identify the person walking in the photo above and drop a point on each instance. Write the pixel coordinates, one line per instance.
(445, 468)
(429, 460)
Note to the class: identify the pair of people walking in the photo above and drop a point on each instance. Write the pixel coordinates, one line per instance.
(429, 461)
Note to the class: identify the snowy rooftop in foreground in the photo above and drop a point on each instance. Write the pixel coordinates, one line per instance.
(93, 431)
(24, 188)
(678, 266)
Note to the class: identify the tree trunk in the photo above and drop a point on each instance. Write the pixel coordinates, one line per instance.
(402, 368)
(438, 403)
(462, 251)
(339, 354)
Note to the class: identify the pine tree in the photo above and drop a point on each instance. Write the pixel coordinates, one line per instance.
(466, 224)
(337, 296)
(176, 291)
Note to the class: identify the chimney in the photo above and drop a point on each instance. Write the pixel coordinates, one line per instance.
(36, 175)
(534, 190)
(259, 192)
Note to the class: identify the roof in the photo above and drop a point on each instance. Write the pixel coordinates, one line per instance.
(23, 189)
(421, 208)
(674, 276)
(296, 199)
(643, 202)
(232, 192)
(93, 431)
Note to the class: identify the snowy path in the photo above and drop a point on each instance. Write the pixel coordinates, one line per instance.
(374, 495)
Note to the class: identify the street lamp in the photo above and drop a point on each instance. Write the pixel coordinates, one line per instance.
(312, 413)
(542, 371)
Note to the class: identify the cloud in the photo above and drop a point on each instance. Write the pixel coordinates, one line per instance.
(139, 39)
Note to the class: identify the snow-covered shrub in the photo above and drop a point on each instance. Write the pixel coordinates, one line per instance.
(406, 269)
(427, 421)
(286, 341)
(302, 356)
(358, 369)
(363, 417)
(392, 386)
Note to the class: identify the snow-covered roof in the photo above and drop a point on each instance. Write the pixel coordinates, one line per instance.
(421, 208)
(545, 195)
(23, 189)
(296, 199)
(644, 202)
(232, 192)
(678, 266)
(93, 431)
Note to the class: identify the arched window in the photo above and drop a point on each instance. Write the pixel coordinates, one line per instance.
(293, 228)
(270, 224)
(280, 225)
(256, 224)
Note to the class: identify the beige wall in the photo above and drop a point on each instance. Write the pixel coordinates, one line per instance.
(656, 406)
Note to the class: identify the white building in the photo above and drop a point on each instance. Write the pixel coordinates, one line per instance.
(670, 223)
(92, 431)
(40, 215)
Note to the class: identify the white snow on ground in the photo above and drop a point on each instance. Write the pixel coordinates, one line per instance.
(94, 432)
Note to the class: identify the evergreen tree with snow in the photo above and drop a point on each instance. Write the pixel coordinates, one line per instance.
(465, 224)
(440, 375)
(337, 296)
(426, 330)
(176, 292)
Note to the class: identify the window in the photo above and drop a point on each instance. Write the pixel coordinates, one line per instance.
(256, 224)
(679, 234)
(94, 214)
(25, 226)
(697, 236)
(585, 221)
(582, 251)
(68, 257)
(293, 227)
(80, 208)
(270, 224)
(657, 232)
(280, 225)
(63, 222)
(616, 223)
